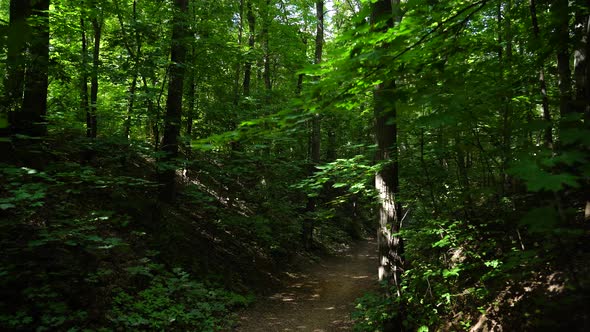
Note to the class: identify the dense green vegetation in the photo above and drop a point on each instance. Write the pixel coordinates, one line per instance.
(162, 160)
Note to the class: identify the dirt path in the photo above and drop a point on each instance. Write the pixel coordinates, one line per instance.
(319, 299)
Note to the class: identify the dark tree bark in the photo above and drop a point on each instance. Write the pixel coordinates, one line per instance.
(315, 138)
(391, 245)
(266, 49)
(238, 63)
(172, 119)
(136, 55)
(192, 88)
(331, 144)
(548, 133)
(32, 119)
(560, 11)
(192, 99)
(506, 70)
(319, 46)
(299, 86)
(97, 30)
(153, 117)
(582, 83)
(251, 33)
(14, 77)
(581, 67)
(84, 103)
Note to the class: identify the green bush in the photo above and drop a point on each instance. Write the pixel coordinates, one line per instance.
(173, 302)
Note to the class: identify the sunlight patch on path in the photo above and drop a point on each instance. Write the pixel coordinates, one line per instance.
(319, 300)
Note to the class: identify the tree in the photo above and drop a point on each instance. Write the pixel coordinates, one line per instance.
(315, 134)
(385, 14)
(15, 66)
(172, 119)
(251, 18)
(30, 119)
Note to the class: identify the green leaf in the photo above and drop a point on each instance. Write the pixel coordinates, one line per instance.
(537, 179)
(6, 206)
(454, 272)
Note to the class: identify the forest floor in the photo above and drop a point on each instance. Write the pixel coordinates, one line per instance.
(318, 298)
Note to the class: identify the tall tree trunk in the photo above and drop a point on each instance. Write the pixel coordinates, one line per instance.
(560, 11)
(191, 98)
(315, 137)
(319, 46)
(331, 143)
(506, 65)
(14, 77)
(172, 119)
(97, 29)
(251, 33)
(238, 63)
(265, 48)
(299, 86)
(130, 104)
(391, 245)
(192, 88)
(548, 133)
(84, 103)
(581, 66)
(582, 79)
(36, 78)
(136, 65)
(153, 116)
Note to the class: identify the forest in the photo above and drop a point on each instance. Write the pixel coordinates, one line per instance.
(169, 165)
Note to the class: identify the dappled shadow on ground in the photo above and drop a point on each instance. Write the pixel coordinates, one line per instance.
(318, 299)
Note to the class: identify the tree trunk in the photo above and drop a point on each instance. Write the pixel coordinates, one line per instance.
(391, 245)
(36, 78)
(136, 65)
(14, 77)
(84, 103)
(265, 48)
(315, 138)
(248, 65)
(192, 88)
(581, 67)
(153, 118)
(238, 63)
(319, 46)
(560, 11)
(97, 28)
(582, 79)
(172, 119)
(548, 133)
(506, 66)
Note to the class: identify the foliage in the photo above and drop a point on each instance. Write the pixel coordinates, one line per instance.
(491, 134)
(173, 301)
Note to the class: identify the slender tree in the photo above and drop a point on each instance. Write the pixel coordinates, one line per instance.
(315, 135)
(172, 119)
(560, 12)
(251, 39)
(32, 117)
(14, 77)
(84, 102)
(548, 133)
(385, 14)
(267, 20)
(97, 22)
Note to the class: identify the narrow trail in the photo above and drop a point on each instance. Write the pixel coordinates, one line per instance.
(319, 299)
